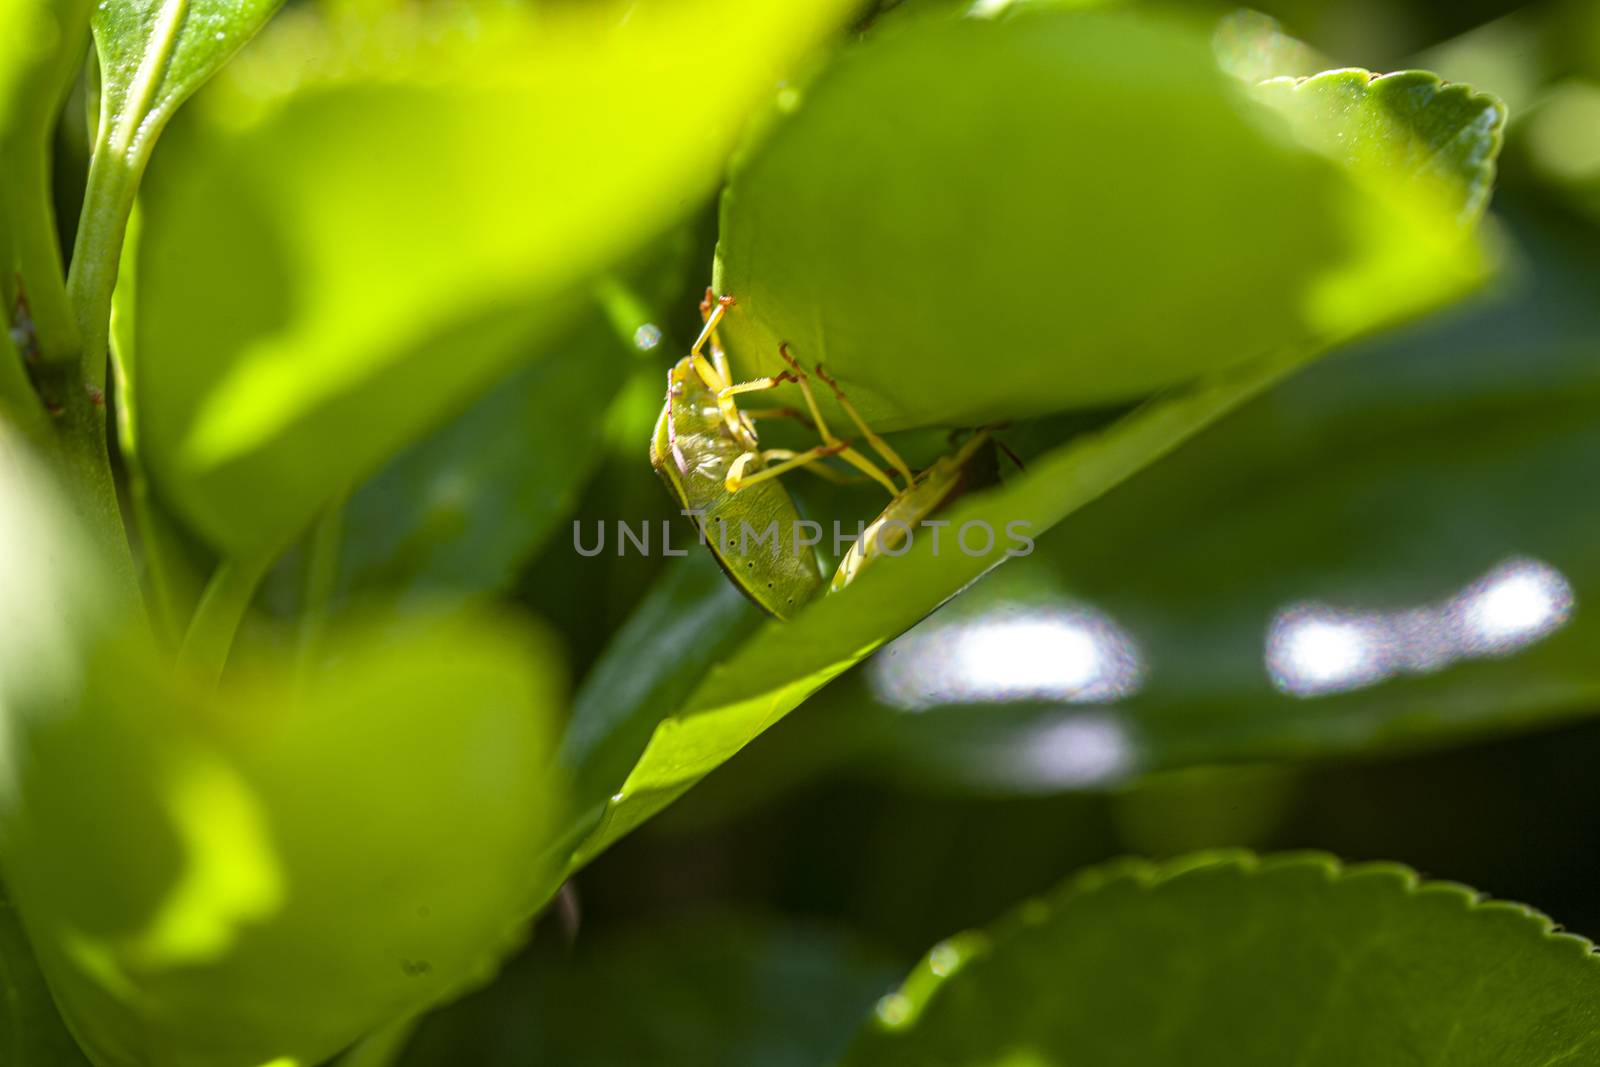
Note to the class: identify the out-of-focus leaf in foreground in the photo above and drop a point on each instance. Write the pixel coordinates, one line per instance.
(706, 991)
(273, 871)
(1229, 959)
(371, 223)
(781, 665)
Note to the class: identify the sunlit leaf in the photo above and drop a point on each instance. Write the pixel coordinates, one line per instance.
(1444, 138)
(1057, 175)
(371, 223)
(274, 871)
(155, 53)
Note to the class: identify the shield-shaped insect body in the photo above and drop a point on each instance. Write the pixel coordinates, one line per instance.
(754, 533)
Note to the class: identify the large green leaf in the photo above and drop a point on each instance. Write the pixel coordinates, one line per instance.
(1055, 176)
(271, 871)
(365, 226)
(275, 875)
(1395, 492)
(1229, 959)
(701, 992)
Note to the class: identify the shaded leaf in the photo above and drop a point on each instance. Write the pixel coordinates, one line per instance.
(460, 511)
(712, 990)
(1225, 958)
(31, 1031)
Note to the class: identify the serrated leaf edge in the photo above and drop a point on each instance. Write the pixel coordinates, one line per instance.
(898, 1011)
(1482, 169)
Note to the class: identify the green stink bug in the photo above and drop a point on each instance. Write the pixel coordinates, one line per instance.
(707, 452)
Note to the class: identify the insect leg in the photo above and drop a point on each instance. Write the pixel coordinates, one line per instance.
(737, 480)
(849, 455)
(821, 470)
(719, 358)
(879, 445)
(714, 375)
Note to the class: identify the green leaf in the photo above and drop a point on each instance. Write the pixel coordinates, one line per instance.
(275, 870)
(278, 873)
(1225, 958)
(366, 226)
(713, 990)
(31, 1031)
(1056, 174)
(1386, 489)
(154, 54)
(460, 511)
(1443, 137)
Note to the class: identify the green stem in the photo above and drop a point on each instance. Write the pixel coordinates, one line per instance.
(216, 620)
(86, 463)
(107, 202)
